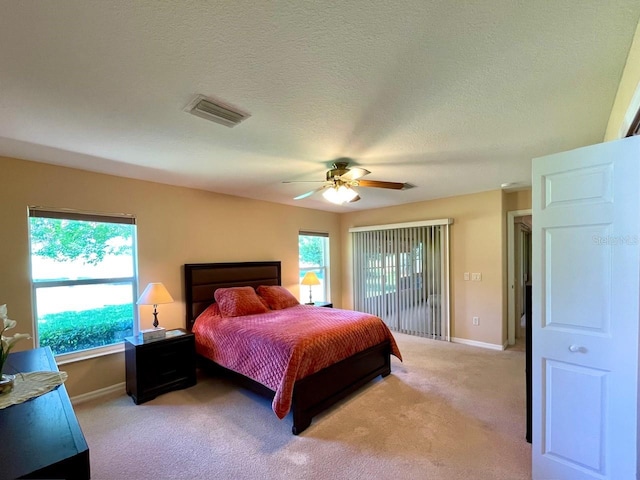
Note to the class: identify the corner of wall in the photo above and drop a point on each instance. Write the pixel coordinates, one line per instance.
(627, 100)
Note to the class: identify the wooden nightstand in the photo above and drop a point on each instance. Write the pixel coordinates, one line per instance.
(323, 304)
(159, 366)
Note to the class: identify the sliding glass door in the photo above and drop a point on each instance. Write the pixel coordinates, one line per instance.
(401, 275)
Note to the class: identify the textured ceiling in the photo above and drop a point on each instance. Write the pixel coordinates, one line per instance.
(453, 97)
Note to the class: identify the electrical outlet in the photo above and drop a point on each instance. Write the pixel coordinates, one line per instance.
(466, 275)
(476, 320)
(476, 277)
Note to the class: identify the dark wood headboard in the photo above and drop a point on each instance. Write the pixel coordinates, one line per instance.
(201, 280)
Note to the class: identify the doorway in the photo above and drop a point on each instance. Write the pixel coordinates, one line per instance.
(518, 274)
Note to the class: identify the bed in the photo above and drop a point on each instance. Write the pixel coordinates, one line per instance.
(310, 394)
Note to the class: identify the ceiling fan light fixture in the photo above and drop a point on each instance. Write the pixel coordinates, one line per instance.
(340, 194)
(339, 180)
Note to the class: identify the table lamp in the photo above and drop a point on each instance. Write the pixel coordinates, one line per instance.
(154, 294)
(310, 278)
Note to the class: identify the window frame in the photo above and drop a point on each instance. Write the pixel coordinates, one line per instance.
(69, 214)
(323, 268)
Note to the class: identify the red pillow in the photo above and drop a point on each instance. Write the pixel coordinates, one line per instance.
(238, 301)
(277, 297)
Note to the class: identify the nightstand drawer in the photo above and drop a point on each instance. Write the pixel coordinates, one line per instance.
(159, 365)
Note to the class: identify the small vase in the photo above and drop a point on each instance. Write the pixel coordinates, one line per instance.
(6, 383)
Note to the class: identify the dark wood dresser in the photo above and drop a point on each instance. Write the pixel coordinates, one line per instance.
(41, 438)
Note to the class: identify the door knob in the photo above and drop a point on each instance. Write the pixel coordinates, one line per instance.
(577, 348)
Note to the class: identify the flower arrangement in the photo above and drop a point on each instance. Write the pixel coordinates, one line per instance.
(7, 342)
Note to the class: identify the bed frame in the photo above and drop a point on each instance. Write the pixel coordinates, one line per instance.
(312, 394)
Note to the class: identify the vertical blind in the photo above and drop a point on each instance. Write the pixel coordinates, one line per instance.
(401, 274)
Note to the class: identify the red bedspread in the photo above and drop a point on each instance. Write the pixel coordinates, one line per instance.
(282, 346)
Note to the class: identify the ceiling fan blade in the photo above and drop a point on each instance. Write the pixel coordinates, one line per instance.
(354, 173)
(379, 184)
(308, 194)
(303, 181)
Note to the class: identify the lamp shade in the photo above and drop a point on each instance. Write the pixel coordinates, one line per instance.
(310, 278)
(155, 294)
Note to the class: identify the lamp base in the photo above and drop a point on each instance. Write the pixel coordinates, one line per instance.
(309, 303)
(153, 333)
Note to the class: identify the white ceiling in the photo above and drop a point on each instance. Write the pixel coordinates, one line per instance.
(452, 96)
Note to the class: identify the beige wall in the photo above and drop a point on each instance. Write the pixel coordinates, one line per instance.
(627, 101)
(519, 200)
(476, 246)
(175, 226)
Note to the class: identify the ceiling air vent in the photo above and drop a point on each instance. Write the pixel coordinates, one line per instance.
(213, 110)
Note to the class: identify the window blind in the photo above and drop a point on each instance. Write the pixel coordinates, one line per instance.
(402, 276)
(62, 214)
(314, 234)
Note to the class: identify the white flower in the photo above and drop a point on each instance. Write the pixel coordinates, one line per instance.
(8, 323)
(7, 343)
(10, 341)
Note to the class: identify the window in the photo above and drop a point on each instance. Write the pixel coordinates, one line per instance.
(83, 276)
(401, 274)
(313, 252)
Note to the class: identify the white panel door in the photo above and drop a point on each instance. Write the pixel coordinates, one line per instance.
(585, 312)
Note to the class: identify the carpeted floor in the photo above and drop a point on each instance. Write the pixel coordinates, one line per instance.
(449, 411)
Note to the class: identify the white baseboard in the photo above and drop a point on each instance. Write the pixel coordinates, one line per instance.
(475, 343)
(103, 392)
